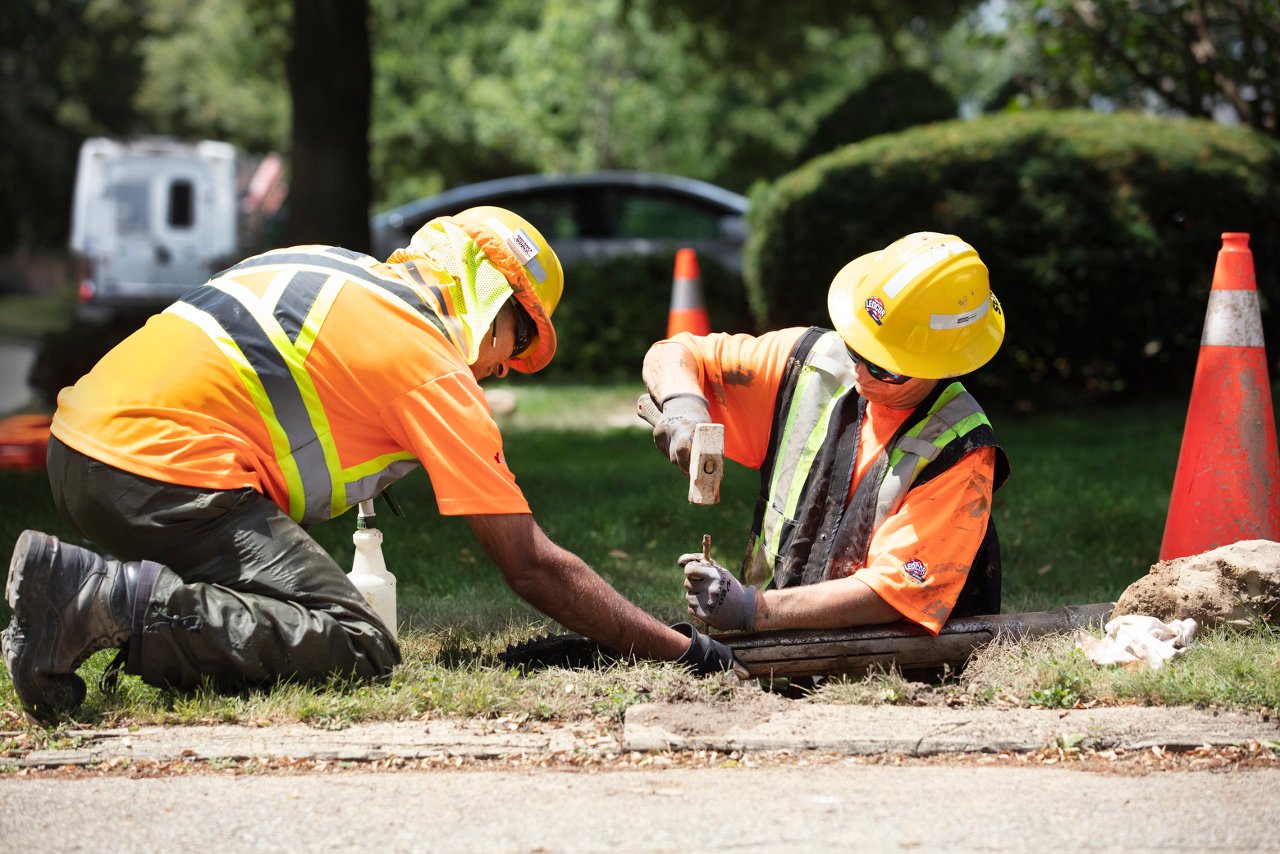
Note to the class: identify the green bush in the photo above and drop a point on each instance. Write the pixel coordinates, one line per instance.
(1101, 233)
(891, 101)
(613, 310)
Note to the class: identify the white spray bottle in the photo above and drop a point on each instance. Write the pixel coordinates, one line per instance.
(369, 571)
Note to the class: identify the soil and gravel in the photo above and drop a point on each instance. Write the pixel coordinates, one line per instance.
(1236, 585)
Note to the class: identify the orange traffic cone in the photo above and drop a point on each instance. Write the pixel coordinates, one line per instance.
(1227, 486)
(688, 314)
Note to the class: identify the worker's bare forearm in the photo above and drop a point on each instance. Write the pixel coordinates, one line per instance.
(835, 604)
(570, 592)
(561, 585)
(669, 368)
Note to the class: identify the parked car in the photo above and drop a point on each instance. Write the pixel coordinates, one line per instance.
(594, 215)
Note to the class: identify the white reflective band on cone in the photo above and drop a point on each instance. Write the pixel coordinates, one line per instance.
(1233, 320)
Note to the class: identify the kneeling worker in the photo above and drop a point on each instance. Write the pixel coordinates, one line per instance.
(877, 470)
(282, 392)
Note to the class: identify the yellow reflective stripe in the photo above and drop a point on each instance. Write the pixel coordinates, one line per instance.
(812, 446)
(276, 288)
(960, 428)
(294, 358)
(374, 465)
(315, 318)
(949, 394)
(261, 401)
(302, 346)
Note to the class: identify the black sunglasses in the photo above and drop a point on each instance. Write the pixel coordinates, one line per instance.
(525, 330)
(878, 373)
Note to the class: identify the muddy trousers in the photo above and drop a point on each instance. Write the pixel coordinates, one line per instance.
(243, 595)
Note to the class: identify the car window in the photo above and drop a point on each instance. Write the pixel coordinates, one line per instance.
(657, 215)
(553, 214)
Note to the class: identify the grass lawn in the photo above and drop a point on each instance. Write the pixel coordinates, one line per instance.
(1081, 518)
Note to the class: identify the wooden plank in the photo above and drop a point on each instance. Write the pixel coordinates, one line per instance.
(903, 645)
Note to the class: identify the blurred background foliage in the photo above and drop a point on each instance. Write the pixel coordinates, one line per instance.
(1084, 219)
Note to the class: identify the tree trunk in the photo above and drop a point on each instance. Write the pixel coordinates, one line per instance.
(330, 74)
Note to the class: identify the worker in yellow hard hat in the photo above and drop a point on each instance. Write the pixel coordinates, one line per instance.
(877, 467)
(287, 389)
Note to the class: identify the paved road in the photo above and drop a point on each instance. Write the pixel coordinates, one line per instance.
(761, 774)
(841, 807)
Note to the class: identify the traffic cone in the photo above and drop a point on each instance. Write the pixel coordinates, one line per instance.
(688, 314)
(1227, 485)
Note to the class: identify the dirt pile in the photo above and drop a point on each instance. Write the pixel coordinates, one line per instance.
(1233, 584)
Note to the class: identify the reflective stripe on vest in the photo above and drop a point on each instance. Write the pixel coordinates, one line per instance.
(828, 371)
(954, 414)
(824, 379)
(266, 339)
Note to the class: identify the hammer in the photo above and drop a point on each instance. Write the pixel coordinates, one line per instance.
(706, 455)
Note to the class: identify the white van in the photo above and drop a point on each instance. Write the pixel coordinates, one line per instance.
(152, 218)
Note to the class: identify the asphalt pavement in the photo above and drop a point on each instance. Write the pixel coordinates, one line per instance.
(768, 776)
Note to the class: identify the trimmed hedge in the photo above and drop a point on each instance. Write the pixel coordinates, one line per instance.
(1101, 233)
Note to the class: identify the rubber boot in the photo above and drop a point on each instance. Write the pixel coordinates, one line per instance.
(68, 603)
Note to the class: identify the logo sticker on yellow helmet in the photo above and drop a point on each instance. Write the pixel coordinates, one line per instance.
(875, 308)
(522, 246)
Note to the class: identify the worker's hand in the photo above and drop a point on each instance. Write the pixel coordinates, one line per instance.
(673, 434)
(715, 596)
(705, 655)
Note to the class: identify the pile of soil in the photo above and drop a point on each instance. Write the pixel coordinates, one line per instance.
(1235, 585)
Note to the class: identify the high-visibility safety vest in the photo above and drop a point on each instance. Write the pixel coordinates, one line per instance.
(802, 522)
(266, 339)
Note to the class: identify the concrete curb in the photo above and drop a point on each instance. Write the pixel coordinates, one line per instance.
(657, 727)
(928, 730)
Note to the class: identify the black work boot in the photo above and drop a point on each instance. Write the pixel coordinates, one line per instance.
(68, 603)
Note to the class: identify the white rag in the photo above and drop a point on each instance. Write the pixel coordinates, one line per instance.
(1134, 640)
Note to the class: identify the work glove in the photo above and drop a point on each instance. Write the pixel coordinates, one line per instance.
(715, 596)
(705, 655)
(673, 433)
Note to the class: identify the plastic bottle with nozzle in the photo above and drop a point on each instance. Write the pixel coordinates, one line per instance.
(369, 571)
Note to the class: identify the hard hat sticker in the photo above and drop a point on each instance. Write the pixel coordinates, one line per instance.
(875, 308)
(522, 246)
(958, 321)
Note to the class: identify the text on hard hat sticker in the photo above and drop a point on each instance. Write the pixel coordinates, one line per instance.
(522, 246)
(875, 308)
(958, 321)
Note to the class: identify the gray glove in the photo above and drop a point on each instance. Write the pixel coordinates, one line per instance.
(673, 434)
(705, 655)
(715, 596)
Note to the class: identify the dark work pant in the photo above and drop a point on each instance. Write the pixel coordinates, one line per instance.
(247, 596)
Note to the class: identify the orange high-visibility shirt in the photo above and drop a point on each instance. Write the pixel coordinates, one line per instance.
(941, 523)
(167, 404)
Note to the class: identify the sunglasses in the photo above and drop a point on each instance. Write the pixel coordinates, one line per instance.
(877, 372)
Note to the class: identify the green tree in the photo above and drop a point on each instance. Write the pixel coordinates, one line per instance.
(1203, 58)
(215, 69)
(67, 71)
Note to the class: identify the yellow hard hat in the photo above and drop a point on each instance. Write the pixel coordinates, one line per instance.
(529, 264)
(921, 307)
